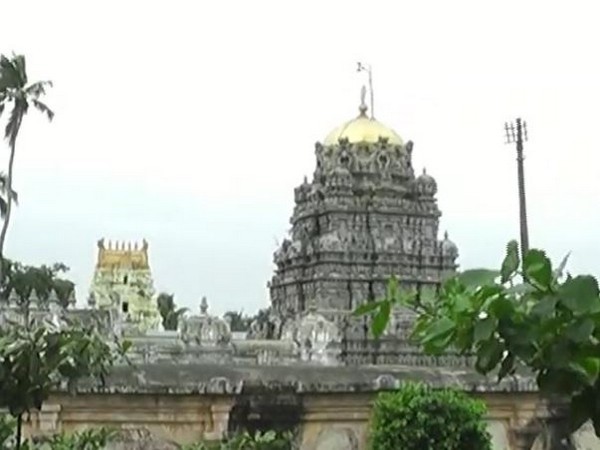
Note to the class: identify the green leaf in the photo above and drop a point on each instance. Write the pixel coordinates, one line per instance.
(580, 295)
(367, 308)
(545, 307)
(474, 278)
(438, 329)
(484, 328)
(538, 268)
(507, 367)
(501, 307)
(511, 262)
(580, 330)
(559, 381)
(392, 289)
(381, 319)
(489, 355)
(588, 366)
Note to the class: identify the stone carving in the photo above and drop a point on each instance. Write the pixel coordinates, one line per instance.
(363, 217)
(317, 338)
(204, 329)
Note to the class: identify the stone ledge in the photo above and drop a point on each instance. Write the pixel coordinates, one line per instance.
(218, 379)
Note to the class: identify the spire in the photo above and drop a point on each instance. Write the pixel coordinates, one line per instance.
(204, 306)
(367, 68)
(363, 105)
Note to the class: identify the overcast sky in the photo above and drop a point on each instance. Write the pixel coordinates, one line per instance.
(190, 123)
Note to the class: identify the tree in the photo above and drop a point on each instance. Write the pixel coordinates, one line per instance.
(37, 358)
(548, 325)
(417, 417)
(16, 93)
(44, 279)
(169, 312)
(4, 195)
(237, 320)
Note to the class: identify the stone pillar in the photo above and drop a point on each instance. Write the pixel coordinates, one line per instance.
(49, 419)
(219, 412)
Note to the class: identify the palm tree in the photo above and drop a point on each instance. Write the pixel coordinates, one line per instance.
(4, 195)
(18, 94)
(169, 312)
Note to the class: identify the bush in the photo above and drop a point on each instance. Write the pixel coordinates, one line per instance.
(269, 440)
(417, 417)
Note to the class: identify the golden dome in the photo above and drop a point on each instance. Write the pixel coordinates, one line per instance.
(363, 129)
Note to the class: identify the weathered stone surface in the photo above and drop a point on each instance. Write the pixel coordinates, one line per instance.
(364, 217)
(585, 438)
(303, 377)
(337, 439)
(140, 439)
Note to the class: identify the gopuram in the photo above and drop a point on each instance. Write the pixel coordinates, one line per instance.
(123, 285)
(363, 218)
(311, 368)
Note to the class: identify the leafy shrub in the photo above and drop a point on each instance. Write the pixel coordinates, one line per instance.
(90, 439)
(417, 417)
(269, 440)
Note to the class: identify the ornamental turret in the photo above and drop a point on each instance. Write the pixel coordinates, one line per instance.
(123, 284)
(363, 218)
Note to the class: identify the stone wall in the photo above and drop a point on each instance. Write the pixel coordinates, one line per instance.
(336, 421)
(329, 407)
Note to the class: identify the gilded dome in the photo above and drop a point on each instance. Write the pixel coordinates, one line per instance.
(362, 129)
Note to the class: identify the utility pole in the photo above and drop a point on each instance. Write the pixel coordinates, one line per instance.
(517, 135)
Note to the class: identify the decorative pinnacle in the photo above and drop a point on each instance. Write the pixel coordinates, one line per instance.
(367, 68)
(204, 305)
(446, 235)
(363, 104)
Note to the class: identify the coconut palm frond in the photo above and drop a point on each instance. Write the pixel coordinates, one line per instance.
(38, 89)
(43, 108)
(21, 69)
(14, 123)
(10, 73)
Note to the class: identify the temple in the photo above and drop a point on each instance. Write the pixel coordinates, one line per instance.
(123, 285)
(308, 365)
(363, 218)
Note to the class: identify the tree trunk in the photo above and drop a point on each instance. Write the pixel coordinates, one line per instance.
(9, 201)
(19, 430)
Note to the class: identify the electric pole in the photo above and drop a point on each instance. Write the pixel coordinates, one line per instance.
(517, 135)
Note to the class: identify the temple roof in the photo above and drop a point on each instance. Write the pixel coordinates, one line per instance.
(363, 129)
(122, 255)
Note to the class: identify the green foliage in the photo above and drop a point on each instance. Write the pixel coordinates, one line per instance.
(20, 96)
(417, 417)
(269, 440)
(7, 430)
(90, 439)
(37, 358)
(44, 279)
(547, 323)
(168, 311)
(237, 320)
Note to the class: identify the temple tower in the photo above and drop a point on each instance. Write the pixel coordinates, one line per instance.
(123, 284)
(363, 217)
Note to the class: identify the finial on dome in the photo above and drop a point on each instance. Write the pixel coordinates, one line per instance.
(367, 68)
(363, 104)
(424, 171)
(203, 305)
(446, 235)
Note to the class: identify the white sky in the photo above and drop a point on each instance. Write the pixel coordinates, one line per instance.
(190, 123)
